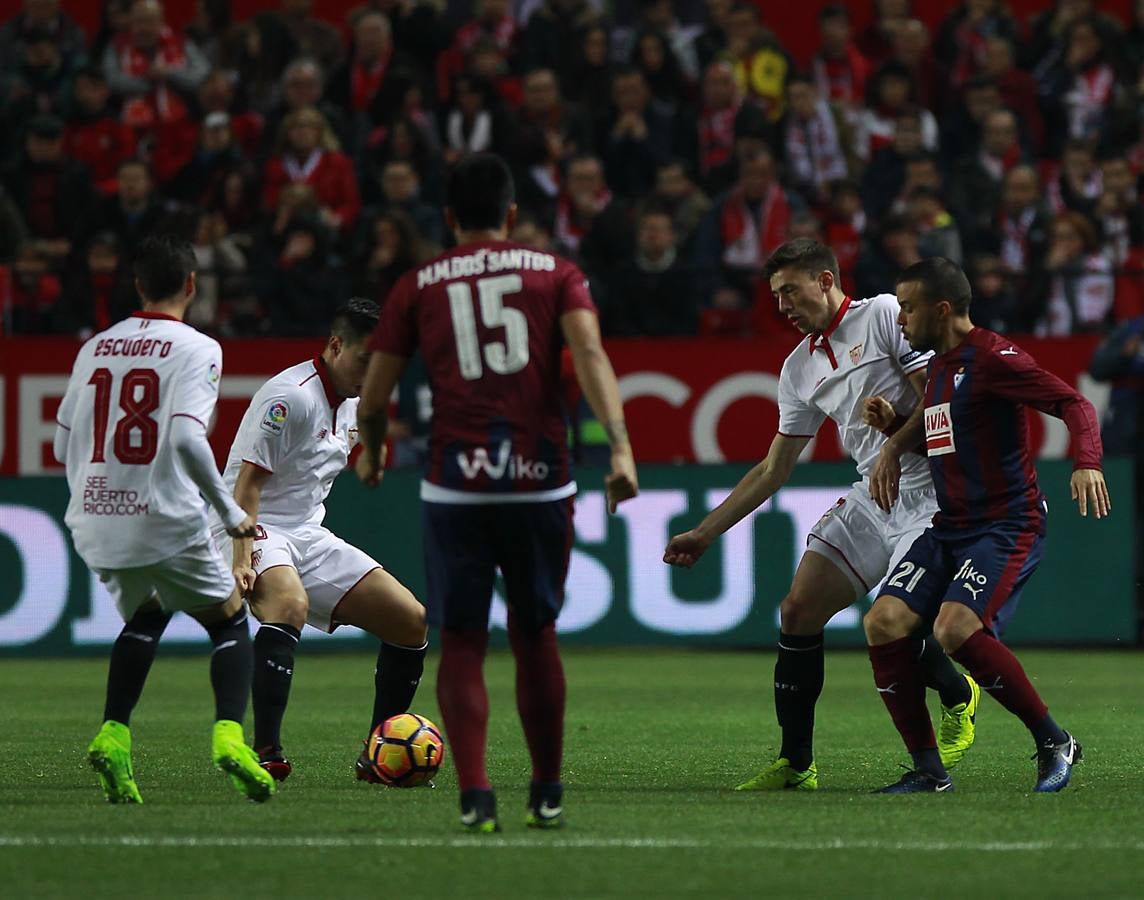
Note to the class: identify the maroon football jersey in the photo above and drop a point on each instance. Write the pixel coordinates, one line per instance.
(486, 317)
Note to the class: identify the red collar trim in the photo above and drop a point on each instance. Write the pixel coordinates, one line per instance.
(147, 314)
(821, 340)
(327, 385)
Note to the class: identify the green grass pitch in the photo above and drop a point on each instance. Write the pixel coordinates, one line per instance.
(655, 740)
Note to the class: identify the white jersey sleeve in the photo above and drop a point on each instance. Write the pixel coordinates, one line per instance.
(196, 389)
(909, 360)
(275, 424)
(797, 418)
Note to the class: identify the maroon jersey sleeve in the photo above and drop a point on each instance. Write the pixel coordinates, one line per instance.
(1014, 375)
(574, 291)
(396, 330)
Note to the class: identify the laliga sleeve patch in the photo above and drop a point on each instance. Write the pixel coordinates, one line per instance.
(275, 418)
(213, 375)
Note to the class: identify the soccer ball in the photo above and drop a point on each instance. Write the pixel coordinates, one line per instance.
(405, 750)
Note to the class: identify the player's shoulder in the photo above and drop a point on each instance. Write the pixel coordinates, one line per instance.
(292, 385)
(796, 362)
(996, 346)
(880, 305)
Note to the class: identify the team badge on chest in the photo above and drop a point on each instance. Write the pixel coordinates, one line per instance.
(856, 353)
(958, 377)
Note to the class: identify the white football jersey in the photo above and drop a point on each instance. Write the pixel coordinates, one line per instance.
(297, 428)
(862, 354)
(132, 502)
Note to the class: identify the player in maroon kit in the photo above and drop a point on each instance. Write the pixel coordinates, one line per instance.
(965, 573)
(489, 317)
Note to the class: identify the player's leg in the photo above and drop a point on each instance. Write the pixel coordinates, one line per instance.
(822, 586)
(891, 627)
(460, 569)
(131, 656)
(535, 546)
(992, 573)
(278, 601)
(381, 605)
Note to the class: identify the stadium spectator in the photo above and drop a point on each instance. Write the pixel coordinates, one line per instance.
(591, 83)
(760, 63)
(291, 31)
(634, 136)
(936, 229)
(912, 49)
(1075, 182)
(678, 194)
(40, 84)
(34, 292)
(677, 40)
(94, 135)
(51, 190)
(668, 83)
(711, 42)
(650, 294)
(1049, 32)
(221, 266)
(890, 94)
(839, 68)
(405, 141)
(739, 233)
(1018, 90)
(309, 152)
(474, 123)
(1080, 87)
(960, 44)
(532, 233)
(298, 279)
(1120, 360)
(400, 189)
(994, 305)
(721, 104)
(1077, 289)
(589, 224)
(1021, 233)
(215, 155)
(134, 212)
(876, 42)
(41, 17)
(302, 87)
(1118, 211)
(551, 35)
(962, 122)
(892, 249)
(886, 173)
(843, 229)
(13, 232)
(221, 92)
(492, 21)
(389, 246)
(975, 188)
(818, 142)
(98, 289)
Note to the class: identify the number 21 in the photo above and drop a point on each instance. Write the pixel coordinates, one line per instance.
(903, 572)
(503, 357)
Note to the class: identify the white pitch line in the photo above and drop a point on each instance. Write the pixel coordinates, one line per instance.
(588, 843)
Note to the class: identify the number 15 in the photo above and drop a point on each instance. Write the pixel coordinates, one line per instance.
(502, 357)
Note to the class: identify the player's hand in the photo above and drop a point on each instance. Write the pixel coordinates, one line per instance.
(685, 549)
(885, 478)
(244, 577)
(1088, 488)
(621, 483)
(244, 529)
(370, 469)
(878, 413)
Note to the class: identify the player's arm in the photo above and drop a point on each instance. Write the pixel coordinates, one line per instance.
(1017, 377)
(755, 488)
(597, 380)
(247, 494)
(373, 413)
(905, 434)
(189, 441)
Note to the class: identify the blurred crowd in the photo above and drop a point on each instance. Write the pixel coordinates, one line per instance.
(666, 147)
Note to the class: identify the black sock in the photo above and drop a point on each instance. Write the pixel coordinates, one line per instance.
(131, 659)
(1049, 732)
(941, 674)
(274, 646)
(798, 682)
(231, 665)
(395, 680)
(929, 761)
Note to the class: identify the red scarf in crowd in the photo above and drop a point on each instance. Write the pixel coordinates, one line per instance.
(366, 82)
(747, 242)
(161, 105)
(716, 137)
(503, 32)
(813, 149)
(843, 79)
(567, 231)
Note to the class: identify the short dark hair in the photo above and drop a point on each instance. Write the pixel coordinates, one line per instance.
(355, 319)
(940, 279)
(803, 254)
(162, 264)
(834, 11)
(480, 192)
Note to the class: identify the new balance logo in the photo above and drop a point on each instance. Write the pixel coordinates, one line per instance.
(887, 690)
(1009, 352)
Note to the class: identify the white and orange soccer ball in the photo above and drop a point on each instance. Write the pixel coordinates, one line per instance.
(405, 750)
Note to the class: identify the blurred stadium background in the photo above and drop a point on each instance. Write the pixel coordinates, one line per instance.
(666, 147)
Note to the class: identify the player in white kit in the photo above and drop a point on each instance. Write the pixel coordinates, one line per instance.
(132, 435)
(853, 351)
(296, 436)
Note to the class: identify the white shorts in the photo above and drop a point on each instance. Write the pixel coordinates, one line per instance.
(864, 541)
(328, 566)
(198, 577)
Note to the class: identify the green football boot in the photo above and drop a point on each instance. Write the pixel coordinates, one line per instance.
(781, 776)
(110, 755)
(231, 754)
(958, 727)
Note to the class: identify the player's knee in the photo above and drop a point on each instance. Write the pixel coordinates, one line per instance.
(801, 614)
(283, 608)
(885, 622)
(952, 629)
(411, 627)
